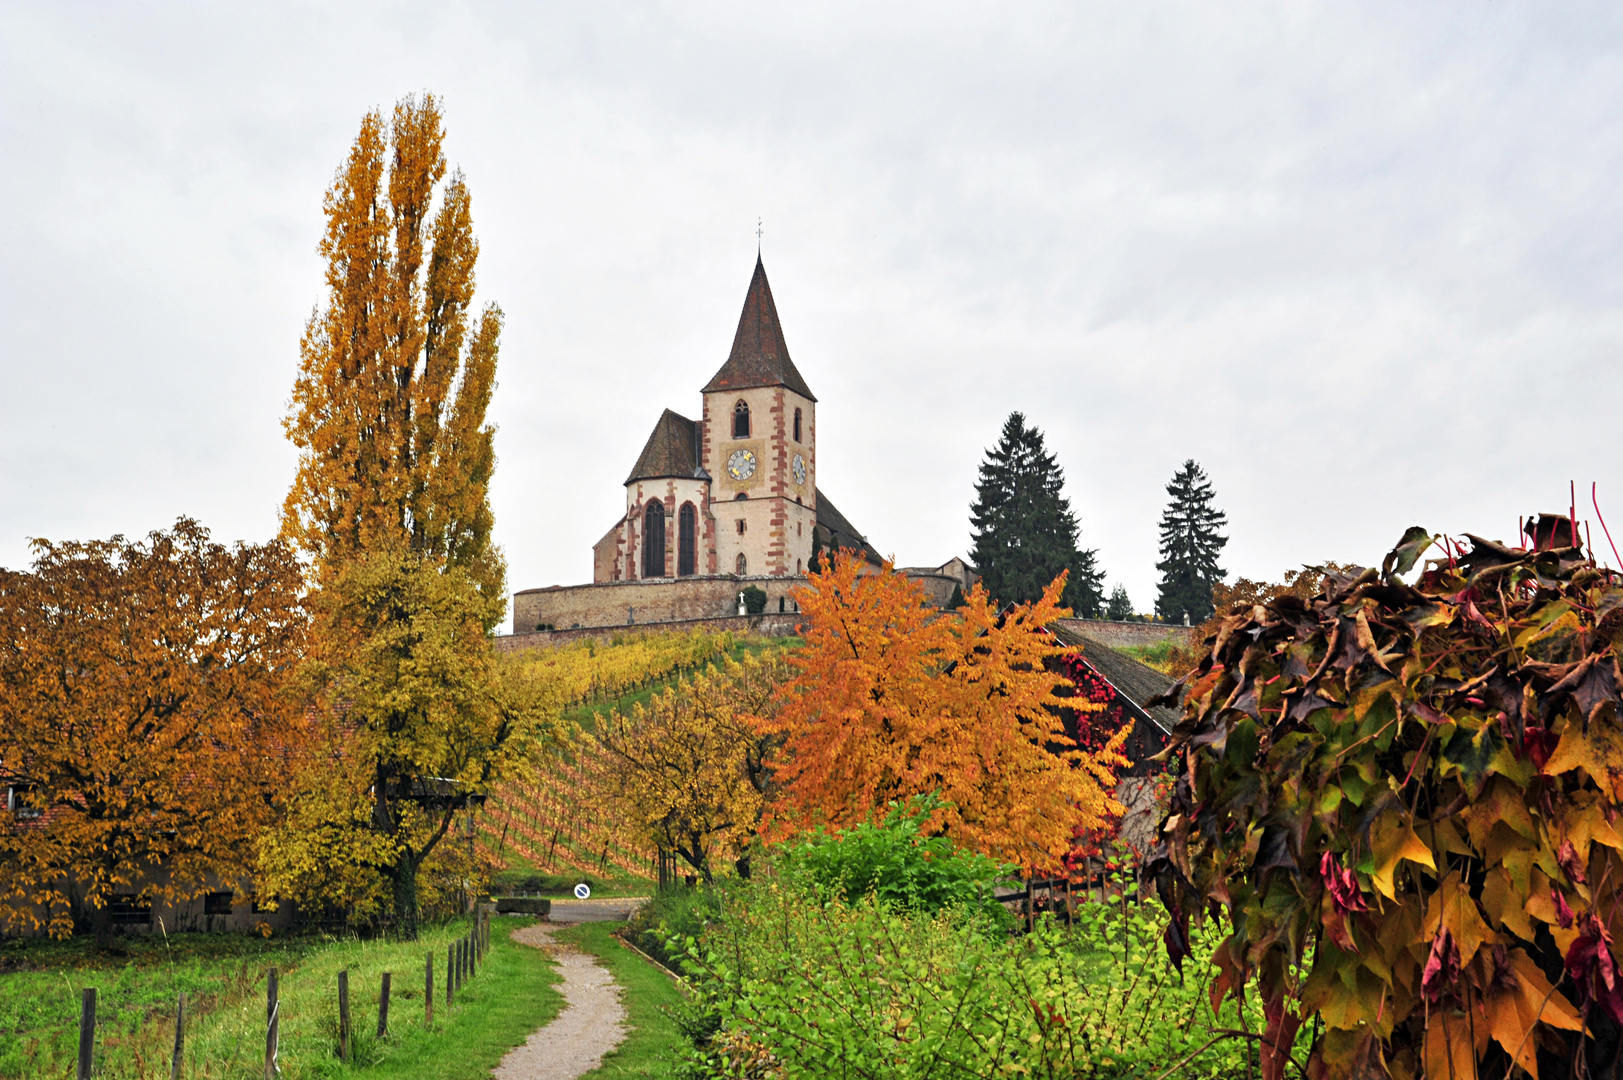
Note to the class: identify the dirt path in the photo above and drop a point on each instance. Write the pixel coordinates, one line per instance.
(592, 1023)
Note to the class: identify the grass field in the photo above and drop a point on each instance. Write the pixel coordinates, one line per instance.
(224, 979)
(648, 993)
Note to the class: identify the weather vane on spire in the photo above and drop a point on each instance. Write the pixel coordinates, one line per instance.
(757, 236)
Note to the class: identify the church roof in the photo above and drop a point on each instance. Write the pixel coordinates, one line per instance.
(842, 534)
(760, 357)
(672, 450)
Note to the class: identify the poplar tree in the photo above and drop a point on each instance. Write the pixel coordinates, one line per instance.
(391, 505)
(1190, 545)
(1025, 534)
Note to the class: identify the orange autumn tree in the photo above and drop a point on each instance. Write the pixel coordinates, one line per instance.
(893, 699)
(143, 720)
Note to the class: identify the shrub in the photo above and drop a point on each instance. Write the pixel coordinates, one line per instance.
(788, 986)
(754, 599)
(1404, 799)
(896, 862)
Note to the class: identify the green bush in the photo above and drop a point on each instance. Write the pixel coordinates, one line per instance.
(789, 986)
(754, 599)
(899, 864)
(673, 914)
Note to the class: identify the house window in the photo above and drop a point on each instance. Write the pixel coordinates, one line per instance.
(741, 421)
(653, 540)
(217, 903)
(743, 563)
(740, 526)
(16, 804)
(129, 909)
(687, 540)
(797, 425)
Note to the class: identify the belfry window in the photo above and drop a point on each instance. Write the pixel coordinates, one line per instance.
(741, 421)
(687, 540)
(653, 540)
(797, 425)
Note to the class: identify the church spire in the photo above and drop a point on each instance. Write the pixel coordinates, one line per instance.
(760, 357)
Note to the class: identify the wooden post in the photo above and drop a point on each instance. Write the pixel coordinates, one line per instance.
(1070, 916)
(383, 1007)
(1031, 906)
(180, 1039)
(87, 1032)
(450, 976)
(343, 1016)
(428, 991)
(273, 1021)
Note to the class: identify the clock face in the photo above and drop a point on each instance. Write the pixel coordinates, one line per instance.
(799, 467)
(741, 465)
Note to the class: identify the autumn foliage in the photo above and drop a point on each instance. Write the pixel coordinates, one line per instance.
(1404, 798)
(144, 719)
(892, 699)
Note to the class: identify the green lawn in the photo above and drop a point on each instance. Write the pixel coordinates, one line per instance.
(648, 994)
(224, 978)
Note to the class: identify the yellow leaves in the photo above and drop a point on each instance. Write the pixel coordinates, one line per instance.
(1503, 903)
(1449, 1051)
(1512, 1010)
(1393, 840)
(1501, 803)
(1451, 907)
(1599, 753)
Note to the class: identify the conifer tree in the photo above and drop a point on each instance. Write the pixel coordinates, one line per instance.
(1121, 605)
(1025, 534)
(391, 504)
(1190, 544)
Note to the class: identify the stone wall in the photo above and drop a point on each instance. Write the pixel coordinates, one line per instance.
(773, 625)
(1119, 635)
(639, 603)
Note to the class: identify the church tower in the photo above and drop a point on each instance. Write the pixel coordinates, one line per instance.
(758, 443)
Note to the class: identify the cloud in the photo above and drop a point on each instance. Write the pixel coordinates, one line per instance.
(1361, 263)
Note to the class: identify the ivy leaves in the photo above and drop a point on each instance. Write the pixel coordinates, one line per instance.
(1396, 792)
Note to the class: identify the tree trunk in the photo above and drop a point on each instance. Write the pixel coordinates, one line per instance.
(101, 923)
(404, 879)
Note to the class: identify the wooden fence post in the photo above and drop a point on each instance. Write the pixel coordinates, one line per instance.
(180, 1039)
(343, 1016)
(428, 991)
(383, 1007)
(450, 976)
(87, 1032)
(273, 1022)
(1031, 906)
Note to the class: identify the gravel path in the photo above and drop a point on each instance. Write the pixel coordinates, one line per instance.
(592, 1023)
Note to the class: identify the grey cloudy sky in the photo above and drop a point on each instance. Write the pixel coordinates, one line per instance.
(1361, 261)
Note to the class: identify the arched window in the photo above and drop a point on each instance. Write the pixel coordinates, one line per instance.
(653, 540)
(741, 495)
(798, 570)
(741, 421)
(797, 425)
(687, 540)
(743, 564)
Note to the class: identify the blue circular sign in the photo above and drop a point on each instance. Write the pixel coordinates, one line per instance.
(582, 891)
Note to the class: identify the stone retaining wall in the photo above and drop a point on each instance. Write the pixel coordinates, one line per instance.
(769, 625)
(1119, 635)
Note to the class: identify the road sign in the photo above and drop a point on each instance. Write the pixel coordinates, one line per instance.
(582, 891)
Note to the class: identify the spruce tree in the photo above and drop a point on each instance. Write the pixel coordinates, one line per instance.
(1190, 544)
(1121, 605)
(1024, 531)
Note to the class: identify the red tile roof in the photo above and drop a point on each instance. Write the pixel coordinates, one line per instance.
(760, 357)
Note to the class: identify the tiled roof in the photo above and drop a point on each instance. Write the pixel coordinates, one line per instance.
(672, 450)
(760, 357)
(842, 534)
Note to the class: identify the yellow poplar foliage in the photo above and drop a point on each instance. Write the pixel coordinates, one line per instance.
(687, 771)
(894, 699)
(422, 716)
(388, 410)
(143, 719)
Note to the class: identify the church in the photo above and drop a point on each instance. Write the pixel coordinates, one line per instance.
(720, 503)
